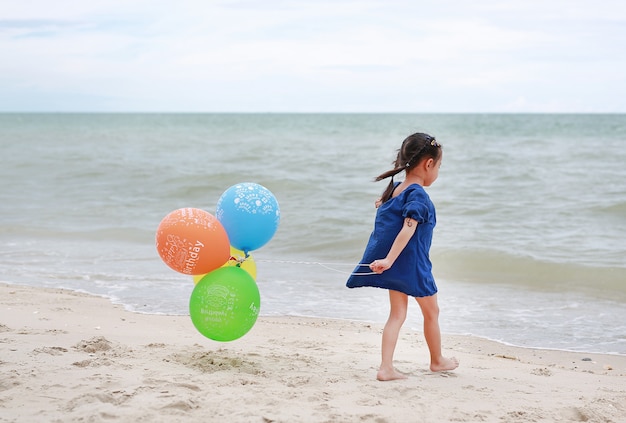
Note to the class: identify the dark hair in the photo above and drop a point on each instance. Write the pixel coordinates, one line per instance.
(414, 148)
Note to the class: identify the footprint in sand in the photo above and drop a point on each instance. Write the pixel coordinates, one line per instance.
(50, 350)
(94, 345)
(541, 371)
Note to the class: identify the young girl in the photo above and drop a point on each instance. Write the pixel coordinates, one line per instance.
(398, 250)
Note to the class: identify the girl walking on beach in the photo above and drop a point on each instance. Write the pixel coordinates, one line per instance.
(398, 250)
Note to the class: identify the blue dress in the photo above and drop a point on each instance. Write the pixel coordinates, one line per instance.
(411, 273)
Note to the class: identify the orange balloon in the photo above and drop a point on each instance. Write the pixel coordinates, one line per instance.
(192, 241)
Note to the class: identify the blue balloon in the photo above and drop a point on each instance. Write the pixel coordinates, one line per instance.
(250, 215)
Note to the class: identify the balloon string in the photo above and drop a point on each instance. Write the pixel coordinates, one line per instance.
(326, 266)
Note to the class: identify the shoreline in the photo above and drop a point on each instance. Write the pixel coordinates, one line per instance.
(70, 356)
(117, 302)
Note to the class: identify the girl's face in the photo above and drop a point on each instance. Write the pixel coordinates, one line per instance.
(432, 170)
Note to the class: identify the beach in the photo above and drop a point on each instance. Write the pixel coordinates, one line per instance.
(86, 193)
(72, 357)
(95, 327)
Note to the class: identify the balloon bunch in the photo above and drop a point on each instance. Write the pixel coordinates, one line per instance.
(215, 250)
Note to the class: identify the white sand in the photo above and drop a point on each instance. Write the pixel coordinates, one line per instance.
(69, 357)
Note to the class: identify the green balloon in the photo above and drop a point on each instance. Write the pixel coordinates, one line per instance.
(225, 304)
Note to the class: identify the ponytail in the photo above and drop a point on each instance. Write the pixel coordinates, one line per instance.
(389, 190)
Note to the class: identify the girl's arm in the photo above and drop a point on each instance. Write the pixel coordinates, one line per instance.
(405, 234)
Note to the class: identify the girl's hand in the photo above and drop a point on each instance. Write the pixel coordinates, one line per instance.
(378, 202)
(379, 266)
(407, 231)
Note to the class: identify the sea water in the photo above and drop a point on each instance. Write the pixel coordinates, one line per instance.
(529, 247)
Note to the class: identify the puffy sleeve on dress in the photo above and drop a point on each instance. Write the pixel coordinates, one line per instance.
(416, 207)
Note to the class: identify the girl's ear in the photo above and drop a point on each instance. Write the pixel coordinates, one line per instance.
(430, 162)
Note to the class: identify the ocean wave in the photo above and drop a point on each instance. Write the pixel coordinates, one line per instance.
(617, 210)
(110, 235)
(497, 267)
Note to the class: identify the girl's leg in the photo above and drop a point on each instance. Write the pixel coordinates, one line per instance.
(397, 315)
(430, 310)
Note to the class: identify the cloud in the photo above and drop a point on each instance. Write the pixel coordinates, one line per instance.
(314, 56)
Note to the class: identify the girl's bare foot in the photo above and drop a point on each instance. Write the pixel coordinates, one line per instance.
(389, 374)
(445, 364)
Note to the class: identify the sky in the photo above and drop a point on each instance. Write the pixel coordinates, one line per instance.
(365, 56)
